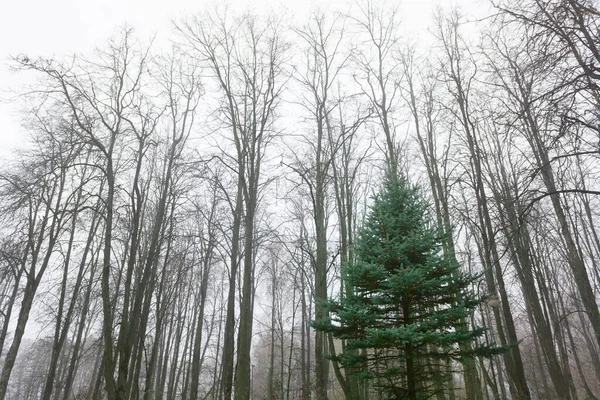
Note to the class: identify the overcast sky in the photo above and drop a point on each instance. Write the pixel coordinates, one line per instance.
(54, 28)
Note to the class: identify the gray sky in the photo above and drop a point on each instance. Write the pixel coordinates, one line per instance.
(53, 28)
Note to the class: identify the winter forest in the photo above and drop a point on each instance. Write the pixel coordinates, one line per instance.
(203, 215)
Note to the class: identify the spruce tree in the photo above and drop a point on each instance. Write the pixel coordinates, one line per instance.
(407, 301)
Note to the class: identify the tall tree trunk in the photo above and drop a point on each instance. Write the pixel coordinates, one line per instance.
(243, 365)
(205, 275)
(227, 365)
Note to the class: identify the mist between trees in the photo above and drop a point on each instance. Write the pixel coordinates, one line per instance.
(180, 217)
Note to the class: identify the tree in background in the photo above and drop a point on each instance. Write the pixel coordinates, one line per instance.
(408, 301)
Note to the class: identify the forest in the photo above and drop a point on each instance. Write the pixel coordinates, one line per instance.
(190, 216)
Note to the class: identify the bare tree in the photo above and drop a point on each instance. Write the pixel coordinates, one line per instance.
(376, 71)
(324, 61)
(40, 194)
(245, 57)
(459, 78)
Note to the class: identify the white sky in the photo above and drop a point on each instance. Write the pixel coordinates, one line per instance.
(51, 28)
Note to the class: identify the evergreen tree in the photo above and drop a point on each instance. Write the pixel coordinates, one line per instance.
(408, 300)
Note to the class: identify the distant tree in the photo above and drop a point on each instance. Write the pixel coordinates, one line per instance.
(404, 309)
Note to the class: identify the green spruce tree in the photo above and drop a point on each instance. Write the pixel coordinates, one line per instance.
(407, 301)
